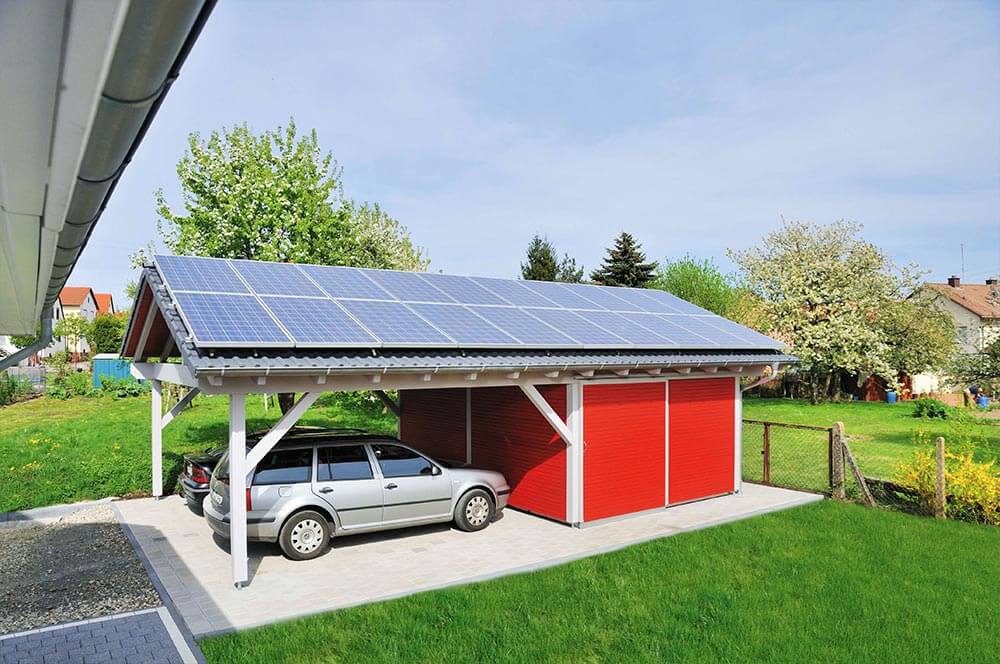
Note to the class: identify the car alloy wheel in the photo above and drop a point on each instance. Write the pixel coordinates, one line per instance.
(477, 510)
(307, 536)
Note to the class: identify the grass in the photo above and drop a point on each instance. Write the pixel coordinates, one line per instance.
(880, 435)
(63, 451)
(825, 582)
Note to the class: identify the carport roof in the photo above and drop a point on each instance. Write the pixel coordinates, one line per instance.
(166, 336)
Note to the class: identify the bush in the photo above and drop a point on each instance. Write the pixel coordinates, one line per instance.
(76, 384)
(12, 388)
(972, 487)
(122, 388)
(932, 408)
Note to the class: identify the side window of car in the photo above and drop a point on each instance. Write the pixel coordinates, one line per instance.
(284, 467)
(398, 461)
(344, 462)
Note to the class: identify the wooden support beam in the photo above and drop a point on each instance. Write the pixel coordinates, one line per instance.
(682, 370)
(710, 370)
(320, 380)
(388, 402)
(513, 375)
(282, 426)
(471, 376)
(237, 489)
(621, 372)
(156, 428)
(586, 373)
(550, 415)
(426, 377)
(260, 380)
(164, 372)
(215, 381)
(377, 378)
(184, 402)
(140, 347)
(654, 372)
(551, 374)
(866, 495)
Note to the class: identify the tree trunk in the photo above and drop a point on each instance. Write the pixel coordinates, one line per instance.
(285, 401)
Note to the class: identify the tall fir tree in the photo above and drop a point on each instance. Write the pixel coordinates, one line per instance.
(625, 265)
(542, 264)
(568, 271)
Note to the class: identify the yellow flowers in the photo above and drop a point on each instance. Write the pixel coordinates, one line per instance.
(972, 487)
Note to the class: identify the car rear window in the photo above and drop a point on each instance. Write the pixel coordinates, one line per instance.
(344, 462)
(284, 467)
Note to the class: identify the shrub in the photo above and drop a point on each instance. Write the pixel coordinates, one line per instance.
(12, 388)
(932, 408)
(76, 384)
(972, 487)
(122, 388)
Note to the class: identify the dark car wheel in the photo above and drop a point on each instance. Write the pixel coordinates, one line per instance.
(305, 535)
(475, 511)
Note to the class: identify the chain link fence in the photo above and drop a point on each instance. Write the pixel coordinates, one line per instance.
(794, 456)
(34, 375)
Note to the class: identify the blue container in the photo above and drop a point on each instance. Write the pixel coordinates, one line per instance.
(890, 396)
(108, 365)
(983, 401)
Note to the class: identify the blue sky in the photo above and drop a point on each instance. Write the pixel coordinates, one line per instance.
(693, 126)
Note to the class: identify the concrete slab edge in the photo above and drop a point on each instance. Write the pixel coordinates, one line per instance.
(533, 567)
(182, 628)
(52, 511)
(183, 649)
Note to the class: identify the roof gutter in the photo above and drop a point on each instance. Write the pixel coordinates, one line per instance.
(764, 379)
(155, 40)
(43, 342)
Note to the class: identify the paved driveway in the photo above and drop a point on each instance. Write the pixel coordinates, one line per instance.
(193, 565)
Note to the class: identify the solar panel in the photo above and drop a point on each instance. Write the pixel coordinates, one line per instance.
(227, 319)
(606, 297)
(408, 286)
(698, 325)
(626, 328)
(639, 297)
(276, 279)
(526, 328)
(561, 295)
(578, 327)
(207, 275)
(514, 292)
(252, 303)
(345, 282)
(462, 325)
(394, 323)
(318, 322)
(463, 289)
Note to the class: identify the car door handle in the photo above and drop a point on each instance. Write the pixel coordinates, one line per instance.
(326, 489)
(391, 485)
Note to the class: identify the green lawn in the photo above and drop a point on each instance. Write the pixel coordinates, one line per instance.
(825, 582)
(62, 451)
(881, 435)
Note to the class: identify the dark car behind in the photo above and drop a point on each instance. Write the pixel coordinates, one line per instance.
(197, 467)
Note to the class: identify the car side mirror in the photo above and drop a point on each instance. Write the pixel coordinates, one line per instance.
(435, 470)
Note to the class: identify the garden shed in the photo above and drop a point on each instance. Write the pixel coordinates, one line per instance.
(595, 402)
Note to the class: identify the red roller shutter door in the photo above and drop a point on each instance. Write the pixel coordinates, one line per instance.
(433, 421)
(623, 462)
(702, 440)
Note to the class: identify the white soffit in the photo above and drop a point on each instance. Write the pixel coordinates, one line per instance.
(54, 58)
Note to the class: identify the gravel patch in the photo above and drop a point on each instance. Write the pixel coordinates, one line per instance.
(79, 566)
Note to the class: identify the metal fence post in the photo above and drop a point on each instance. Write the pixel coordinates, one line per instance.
(837, 460)
(767, 453)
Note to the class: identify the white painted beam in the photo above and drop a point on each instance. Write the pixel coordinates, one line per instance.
(710, 370)
(654, 372)
(586, 373)
(471, 376)
(682, 370)
(184, 402)
(621, 372)
(280, 428)
(550, 415)
(237, 489)
(165, 372)
(551, 374)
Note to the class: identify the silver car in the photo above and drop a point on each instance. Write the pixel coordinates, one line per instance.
(309, 489)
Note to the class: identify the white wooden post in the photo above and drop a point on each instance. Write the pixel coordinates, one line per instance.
(237, 489)
(574, 453)
(156, 431)
(738, 440)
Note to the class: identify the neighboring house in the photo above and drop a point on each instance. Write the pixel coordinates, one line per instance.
(58, 345)
(78, 301)
(975, 309)
(105, 303)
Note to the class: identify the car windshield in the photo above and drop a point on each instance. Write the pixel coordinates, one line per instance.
(222, 468)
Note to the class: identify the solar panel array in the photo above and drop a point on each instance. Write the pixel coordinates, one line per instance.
(241, 303)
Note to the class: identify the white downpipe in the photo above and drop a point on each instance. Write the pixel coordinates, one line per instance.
(763, 379)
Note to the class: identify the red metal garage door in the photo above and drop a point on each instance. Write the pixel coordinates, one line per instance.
(433, 421)
(702, 438)
(623, 462)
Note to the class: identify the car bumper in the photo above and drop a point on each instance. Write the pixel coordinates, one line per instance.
(503, 496)
(193, 492)
(258, 530)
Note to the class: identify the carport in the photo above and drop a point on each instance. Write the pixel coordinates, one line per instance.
(551, 351)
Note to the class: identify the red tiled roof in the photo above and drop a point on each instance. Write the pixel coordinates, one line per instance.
(74, 296)
(104, 302)
(981, 299)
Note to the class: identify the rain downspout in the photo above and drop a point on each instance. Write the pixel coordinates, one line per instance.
(763, 379)
(43, 341)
